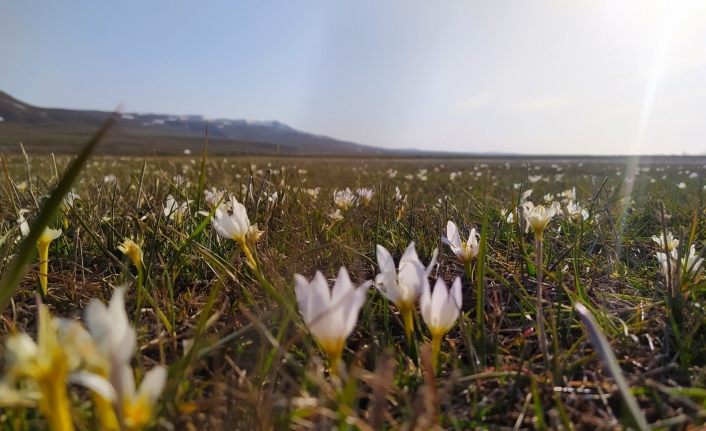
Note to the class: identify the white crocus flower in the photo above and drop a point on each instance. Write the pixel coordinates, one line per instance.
(537, 217)
(115, 341)
(692, 262)
(525, 195)
(214, 196)
(507, 215)
(69, 200)
(440, 310)
(672, 243)
(343, 198)
(574, 210)
(22, 221)
(174, 210)
(365, 195)
(114, 336)
(466, 251)
(330, 315)
(236, 225)
(402, 286)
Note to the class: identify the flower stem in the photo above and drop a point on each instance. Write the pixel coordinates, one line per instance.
(408, 319)
(468, 267)
(248, 255)
(43, 266)
(435, 349)
(106, 413)
(541, 331)
(56, 406)
(140, 293)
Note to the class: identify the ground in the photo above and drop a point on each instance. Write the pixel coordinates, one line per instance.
(240, 356)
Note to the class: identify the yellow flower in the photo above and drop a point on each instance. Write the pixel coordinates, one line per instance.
(47, 364)
(43, 242)
(132, 250)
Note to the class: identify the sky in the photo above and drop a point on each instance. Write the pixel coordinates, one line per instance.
(568, 77)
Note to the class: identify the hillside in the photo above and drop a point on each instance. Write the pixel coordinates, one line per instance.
(64, 130)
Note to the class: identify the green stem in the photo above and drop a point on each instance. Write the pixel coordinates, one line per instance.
(468, 267)
(140, 294)
(541, 330)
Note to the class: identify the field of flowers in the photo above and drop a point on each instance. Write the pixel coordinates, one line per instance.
(300, 293)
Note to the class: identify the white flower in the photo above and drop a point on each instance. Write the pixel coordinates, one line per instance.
(173, 210)
(441, 308)
(525, 195)
(681, 185)
(464, 250)
(399, 197)
(672, 243)
(214, 196)
(314, 193)
(402, 286)
(538, 216)
(575, 210)
(108, 179)
(236, 225)
(336, 215)
(114, 338)
(508, 215)
(569, 195)
(365, 195)
(69, 200)
(330, 315)
(534, 178)
(22, 221)
(343, 198)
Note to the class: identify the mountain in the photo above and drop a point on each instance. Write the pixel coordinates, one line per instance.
(65, 130)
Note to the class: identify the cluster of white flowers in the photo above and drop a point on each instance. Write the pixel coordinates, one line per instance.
(668, 258)
(97, 358)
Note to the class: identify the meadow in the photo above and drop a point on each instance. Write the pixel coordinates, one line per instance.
(615, 338)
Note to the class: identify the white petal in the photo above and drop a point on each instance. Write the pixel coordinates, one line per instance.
(432, 262)
(94, 382)
(425, 304)
(410, 255)
(410, 280)
(342, 286)
(456, 293)
(385, 261)
(452, 234)
(153, 383)
(354, 302)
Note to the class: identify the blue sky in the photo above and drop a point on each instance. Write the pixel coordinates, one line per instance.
(603, 76)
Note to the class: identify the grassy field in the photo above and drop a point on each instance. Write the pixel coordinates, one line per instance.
(239, 356)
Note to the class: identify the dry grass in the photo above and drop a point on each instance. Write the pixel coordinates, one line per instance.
(254, 366)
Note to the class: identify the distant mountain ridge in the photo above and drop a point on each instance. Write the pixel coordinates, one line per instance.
(52, 129)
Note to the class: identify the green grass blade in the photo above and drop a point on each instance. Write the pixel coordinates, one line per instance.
(600, 343)
(16, 269)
